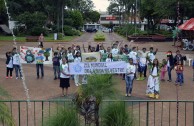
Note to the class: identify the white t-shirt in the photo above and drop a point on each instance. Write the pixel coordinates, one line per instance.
(130, 68)
(10, 64)
(133, 55)
(16, 59)
(168, 63)
(109, 60)
(101, 51)
(151, 56)
(65, 69)
(142, 54)
(115, 51)
(77, 59)
(155, 71)
(70, 56)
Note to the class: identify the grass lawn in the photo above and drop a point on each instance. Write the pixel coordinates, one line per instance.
(48, 38)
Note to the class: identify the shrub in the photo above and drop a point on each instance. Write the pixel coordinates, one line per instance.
(64, 117)
(69, 31)
(60, 36)
(128, 29)
(116, 115)
(99, 36)
(36, 31)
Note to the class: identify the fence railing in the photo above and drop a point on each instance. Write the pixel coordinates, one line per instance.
(145, 112)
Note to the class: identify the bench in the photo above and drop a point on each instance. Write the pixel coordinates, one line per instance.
(32, 38)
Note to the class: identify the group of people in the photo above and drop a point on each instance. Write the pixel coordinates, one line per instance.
(13, 63)
(138, 63)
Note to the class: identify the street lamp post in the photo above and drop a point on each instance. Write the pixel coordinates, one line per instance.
(135, 16)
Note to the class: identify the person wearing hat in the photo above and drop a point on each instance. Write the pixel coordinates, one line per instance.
(39, 64)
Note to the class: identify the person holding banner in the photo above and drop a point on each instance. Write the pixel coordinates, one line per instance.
(110, 58)
(129, 77)
(64, 76)
(115, 49)
(77, 60)
(153, 84)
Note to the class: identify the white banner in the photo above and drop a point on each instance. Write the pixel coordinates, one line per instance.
(97, 67)
(28, 55)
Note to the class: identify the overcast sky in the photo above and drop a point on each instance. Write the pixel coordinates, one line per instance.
(101, 5)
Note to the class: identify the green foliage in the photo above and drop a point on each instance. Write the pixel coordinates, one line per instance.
(36, 31)
(64, 117)
(115, 114)
(99, 36)
(60, 36)
(69, 31)
(33, 21)
(77, 18)
(68, 21)
(128, 29)
(5, 114)
(92, 16)
(99, 86)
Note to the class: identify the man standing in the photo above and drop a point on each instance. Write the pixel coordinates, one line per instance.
(41, 40)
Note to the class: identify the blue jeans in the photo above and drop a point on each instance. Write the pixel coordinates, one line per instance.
(179, 78)
(17, 70)
(41, 68)
(56, 71)
(169, 72)
(129, 84)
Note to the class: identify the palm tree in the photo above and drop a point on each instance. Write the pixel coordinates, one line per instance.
(89, 96)
(5, 114)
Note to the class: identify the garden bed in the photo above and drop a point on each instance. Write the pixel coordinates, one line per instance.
(99, 36)
(146, 38)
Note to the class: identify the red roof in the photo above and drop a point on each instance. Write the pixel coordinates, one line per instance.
(188, 25)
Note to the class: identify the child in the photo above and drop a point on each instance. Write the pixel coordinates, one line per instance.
(16, 63)
(9, 63)
(110, 58)
(70, 55)
(77, 60)
(179, 73)
(163, 69)
(40, 64)
(56, 66)
(153, 84)
(64, 76)
(129, 77)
